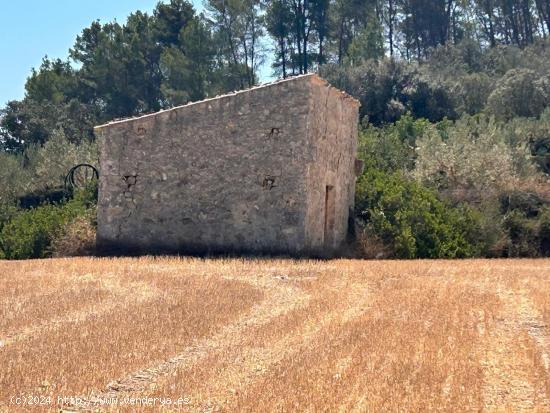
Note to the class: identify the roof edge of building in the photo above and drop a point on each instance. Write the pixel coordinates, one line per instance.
(214, 98)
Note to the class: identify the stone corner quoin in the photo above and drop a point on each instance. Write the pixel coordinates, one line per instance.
(267, 170)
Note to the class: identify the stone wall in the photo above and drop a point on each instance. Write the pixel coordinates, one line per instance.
(235, 173)
(332, 135)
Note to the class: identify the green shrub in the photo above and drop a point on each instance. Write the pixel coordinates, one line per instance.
(544, 232)
(527, 222)
(41, 170)
(388, 88)
(29, 233)
(470, 161)
(533, 134)
(77, 237)
(523, 235)
(7, 211)
(529, 204)
(412, 221)
(86, 196)
(392, 148)
(471, 92)
(520, 92)
(15, 179)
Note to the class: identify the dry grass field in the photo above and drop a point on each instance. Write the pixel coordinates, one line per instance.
(233, 335)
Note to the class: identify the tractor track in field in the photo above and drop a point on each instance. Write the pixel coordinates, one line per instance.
(507, 366)
(123, 294)
(352, 336)
(282, 296)
(248, 363)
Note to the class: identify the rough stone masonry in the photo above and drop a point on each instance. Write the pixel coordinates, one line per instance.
(268, 170)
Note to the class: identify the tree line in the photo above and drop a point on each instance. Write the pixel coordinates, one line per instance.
(175, 54)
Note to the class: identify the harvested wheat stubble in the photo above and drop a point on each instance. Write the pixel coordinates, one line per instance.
(281, 335)
(153, 316)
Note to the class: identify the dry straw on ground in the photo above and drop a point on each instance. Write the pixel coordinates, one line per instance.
(278, 335)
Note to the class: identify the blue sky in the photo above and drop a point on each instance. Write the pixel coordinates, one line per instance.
(31, 29)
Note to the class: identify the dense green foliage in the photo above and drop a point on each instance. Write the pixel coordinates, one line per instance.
(526, 221)
(455, 115)
(507, 82)
(412, 221)
(41, 169)
(465, 188)
(30, 233)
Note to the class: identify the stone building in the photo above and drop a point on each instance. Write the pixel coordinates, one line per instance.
(268, 170)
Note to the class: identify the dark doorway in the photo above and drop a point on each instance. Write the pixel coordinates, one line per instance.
(330, 209)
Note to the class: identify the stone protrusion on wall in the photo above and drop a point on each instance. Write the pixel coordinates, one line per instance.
(274, 132)
(269, 183)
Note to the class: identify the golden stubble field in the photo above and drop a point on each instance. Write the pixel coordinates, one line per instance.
(238, 335)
